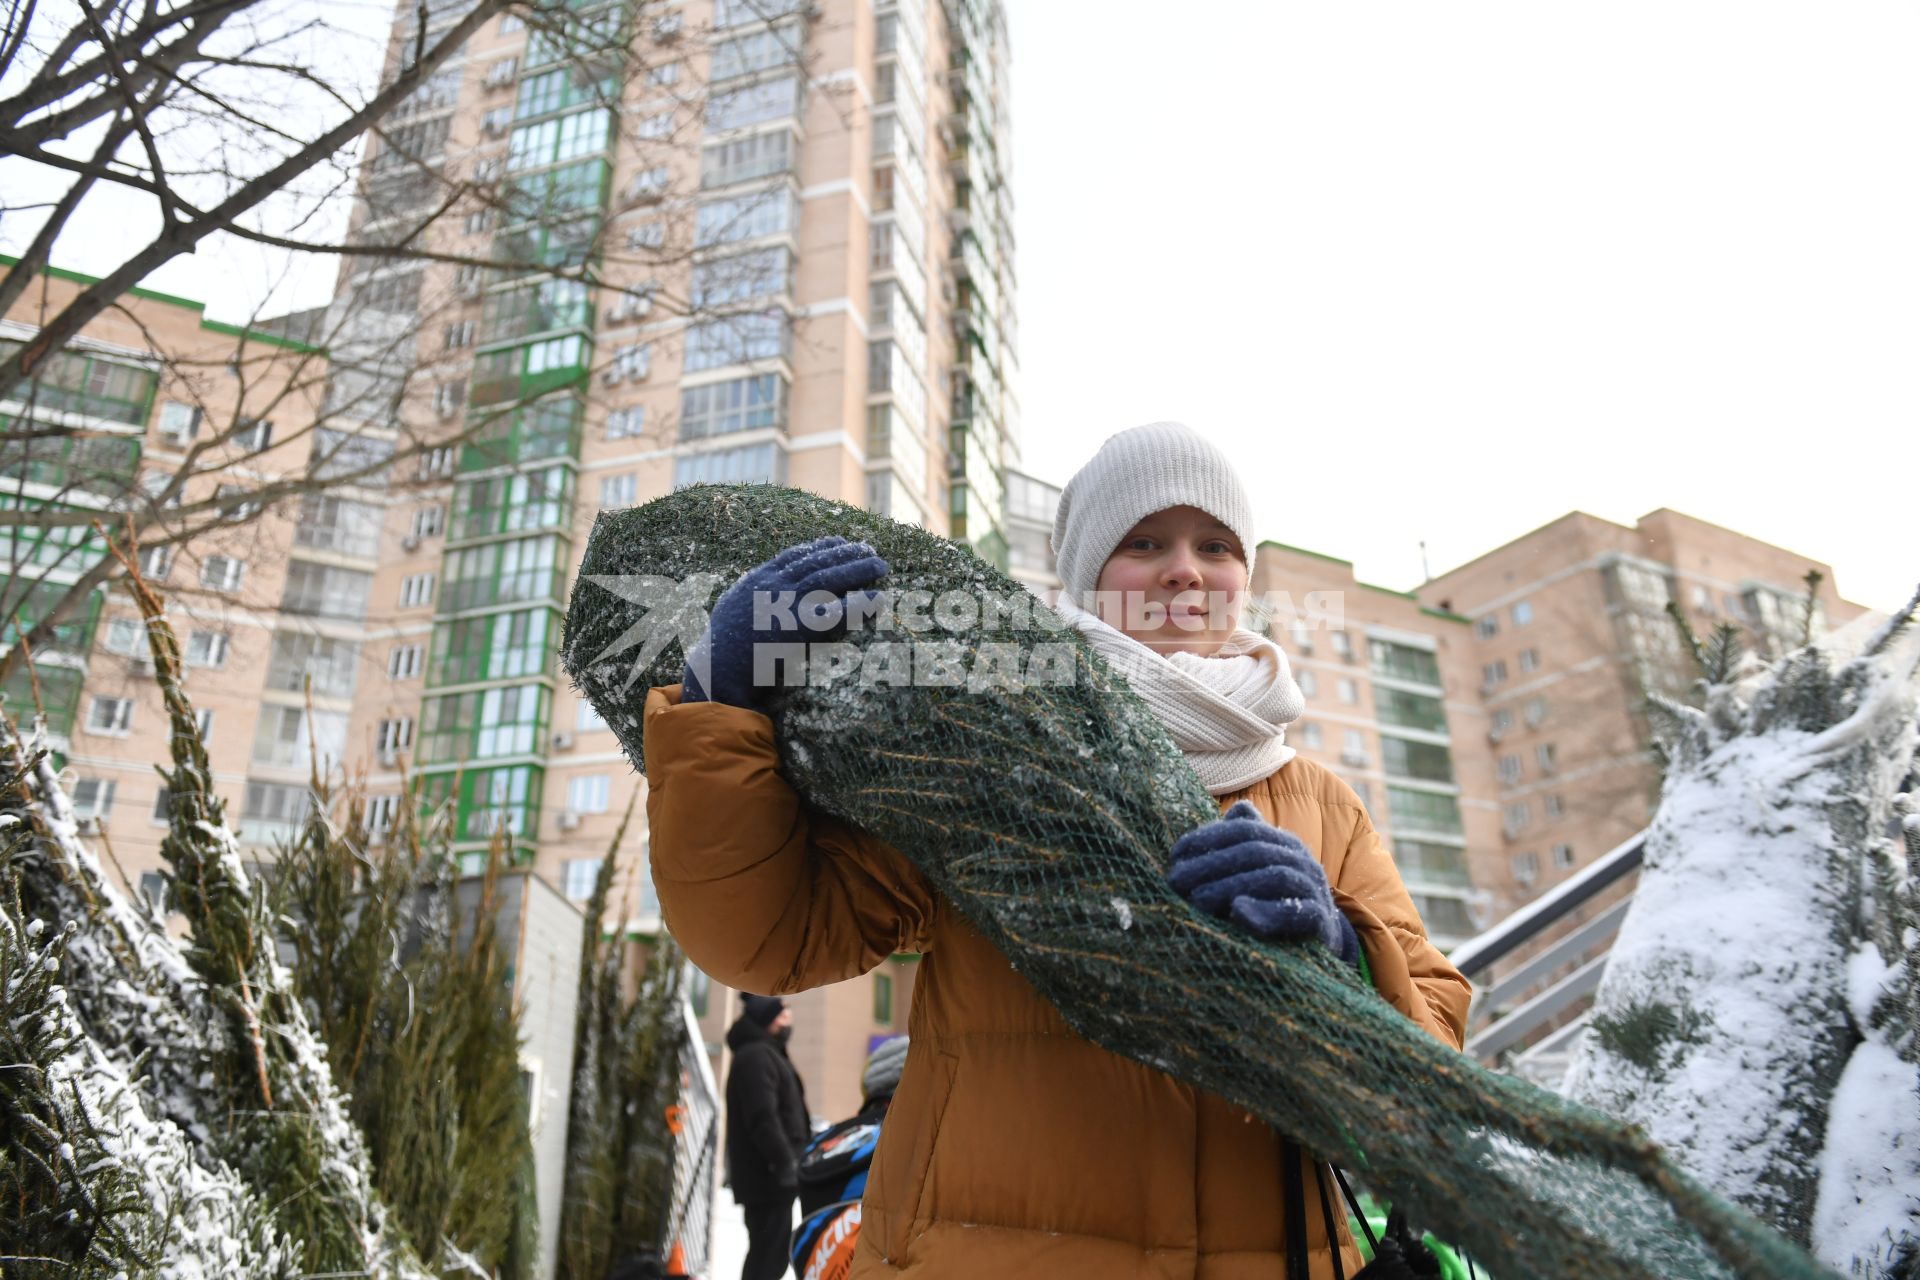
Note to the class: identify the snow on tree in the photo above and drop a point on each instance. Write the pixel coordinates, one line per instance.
(195, 1062)
(1757, 1014)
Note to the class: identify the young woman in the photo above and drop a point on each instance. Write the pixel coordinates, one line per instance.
(1015, 1148)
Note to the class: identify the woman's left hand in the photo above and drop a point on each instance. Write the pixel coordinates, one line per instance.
(1264, 879)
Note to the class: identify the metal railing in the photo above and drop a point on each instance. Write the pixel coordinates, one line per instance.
(1511, 1010)
(694, 1123)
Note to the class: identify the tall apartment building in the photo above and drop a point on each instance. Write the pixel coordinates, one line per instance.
(1570, 629)
(1389, 711)
(796, 220)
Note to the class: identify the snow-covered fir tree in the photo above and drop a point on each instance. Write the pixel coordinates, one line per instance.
(1758, 1012)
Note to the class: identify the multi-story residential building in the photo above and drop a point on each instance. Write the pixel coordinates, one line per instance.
(1031, 504)
(733, 240)
(1570, 631)
(1389, 711)
(178, 411)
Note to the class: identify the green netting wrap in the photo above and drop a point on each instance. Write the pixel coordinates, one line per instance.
(1041, 797)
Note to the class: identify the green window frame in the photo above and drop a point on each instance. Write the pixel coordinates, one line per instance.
(1409, 710)
(1429, 811)
(486, 801)
(105, 466)
(496, 646)
(516, 503)
(504, 572)
(90, 385)
(485, 724)
(1404, 758)
(526, 372)
(547, 306)
(883, 998)
(547, 428)
(1403, 662)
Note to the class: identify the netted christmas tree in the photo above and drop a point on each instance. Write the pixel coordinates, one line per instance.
(191, 1067)
(626, 1052)
(1758, 1012)
(1040, 797)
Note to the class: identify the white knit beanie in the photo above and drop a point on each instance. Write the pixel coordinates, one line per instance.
(1136, 473)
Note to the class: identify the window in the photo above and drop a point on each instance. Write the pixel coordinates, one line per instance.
(753, 104)
(1511, 770)
(234, 503)
(1522, 613)
(341, 454)
(206, 649)
(480, 222)
(328, 523)
(646, 235)
(325, 591)
(578, 876)
(126, 636)
(656, 126)
(416, 589)
(1526, 867)
(110, 716)
(586, 719)
(1349, 690)
(617, 491)
(203, 723)
(732, 219)
(754, 276)
(1562, 857)
(222, 573)
(1342, 643)
(1486, 628)
(624, 424)
(93, 797)
(735, 339)
(759, 155)
(883, 998)
(1402, 758)
(253, 434)
(179, 422)
(1308, 682)
(455, 336)
(651, 184)
(1353, 747)
(630, 363)
(428, 522)
(437, 463)
(394, 734)
(1302, 636)
(296, 738)
(299, 659)
(153, 886)
(486, 724)
(156, 563)
(273, 809)
(1546, 756)
(162, 805)
(749, 464)
(380, 815)
(738, 404)
(1403, 662)
(1423, 811)
(403, 662)
(663, 74)
(1310, 735)
(1529, 660)
(1517, 817)
(1702, 599)
(1536, 712)
(589, 793)
(747, 54)
(1409, 710)
(1493, 673)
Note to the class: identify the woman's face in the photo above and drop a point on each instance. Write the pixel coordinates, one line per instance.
(1176, 583)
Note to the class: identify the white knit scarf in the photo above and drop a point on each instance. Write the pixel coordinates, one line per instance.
(1228, 712)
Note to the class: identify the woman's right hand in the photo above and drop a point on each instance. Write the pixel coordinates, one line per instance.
(720, 667)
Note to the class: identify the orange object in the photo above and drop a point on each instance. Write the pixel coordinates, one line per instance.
(676, 1118)
(676, 1260)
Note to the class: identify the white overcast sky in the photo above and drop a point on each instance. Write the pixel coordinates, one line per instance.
(1446, 272)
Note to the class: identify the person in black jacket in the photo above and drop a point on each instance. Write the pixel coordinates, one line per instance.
(767, 1128)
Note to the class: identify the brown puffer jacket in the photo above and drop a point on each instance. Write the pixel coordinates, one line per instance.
(1014, 1147)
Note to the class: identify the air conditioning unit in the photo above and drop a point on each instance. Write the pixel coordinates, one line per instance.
(1358, 759)
(568, 820)
(141, 664)
(389, 758)
(88, 825)
(410, 543)
(563, 741)
(613, 376)
(1494, 735)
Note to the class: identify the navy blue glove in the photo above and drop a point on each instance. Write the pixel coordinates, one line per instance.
(720, 667)
(1263, 879)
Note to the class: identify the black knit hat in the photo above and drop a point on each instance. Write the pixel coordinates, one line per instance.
(763, 1009)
